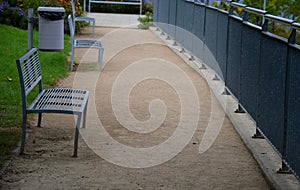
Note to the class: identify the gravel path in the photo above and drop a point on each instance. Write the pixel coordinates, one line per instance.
(226, 164)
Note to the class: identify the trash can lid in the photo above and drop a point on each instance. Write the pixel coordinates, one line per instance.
(51, 9)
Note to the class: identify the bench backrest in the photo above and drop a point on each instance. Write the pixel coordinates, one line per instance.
(73, 10)
(29, 72)
(72, 28)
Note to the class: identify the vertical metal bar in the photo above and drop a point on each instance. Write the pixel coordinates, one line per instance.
(204, 31)
(284, 168)
(141, 7)
(30, 28)
(227, 50)
(168, 23)
(192, 33)
(175, 24)
(77, 135)
(84, 2)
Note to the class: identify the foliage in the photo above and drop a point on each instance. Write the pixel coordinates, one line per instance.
(122, 9)
(284, 8)
(147, 9)
(14, 12)
(26, 4)
(146, 21)
(14, 16)
(224, 6)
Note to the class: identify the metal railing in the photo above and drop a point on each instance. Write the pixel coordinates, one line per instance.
(259, 68)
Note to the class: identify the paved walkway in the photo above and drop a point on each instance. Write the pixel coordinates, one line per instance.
(139, 157)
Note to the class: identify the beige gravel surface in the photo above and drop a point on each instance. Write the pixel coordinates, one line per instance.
(48, 164)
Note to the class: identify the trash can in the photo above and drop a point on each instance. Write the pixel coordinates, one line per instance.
(51, 28)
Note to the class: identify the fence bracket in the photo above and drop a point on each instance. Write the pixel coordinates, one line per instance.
(182, 50)
(202, 66)
(225, 92)
(239, 109)
(258, 135)
(216, 78)
(192, 58)
(284, 169)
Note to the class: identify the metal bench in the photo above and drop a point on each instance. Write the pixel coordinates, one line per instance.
(84, 43)
(83, 18)
(124, 2)
(55, 100)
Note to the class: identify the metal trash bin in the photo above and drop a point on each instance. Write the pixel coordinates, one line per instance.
(51, 28)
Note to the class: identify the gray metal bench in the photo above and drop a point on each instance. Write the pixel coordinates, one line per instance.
(124, 2)
(82, 18)
(55, 100)
(84, 43)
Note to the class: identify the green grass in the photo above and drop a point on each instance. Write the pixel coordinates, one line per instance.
(13, 44)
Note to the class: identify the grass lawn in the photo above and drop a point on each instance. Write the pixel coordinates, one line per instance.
(13, 44)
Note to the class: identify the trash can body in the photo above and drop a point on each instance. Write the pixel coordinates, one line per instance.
(51, 28)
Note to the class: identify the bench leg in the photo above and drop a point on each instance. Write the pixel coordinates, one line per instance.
(39, 120)
(84, 115)
(77, 134)
(23, 134)
(100, 58)
(93, 28)
(72, 59)
(141, 8)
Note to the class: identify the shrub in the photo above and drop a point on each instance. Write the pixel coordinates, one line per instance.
(26, 4)
(14, 16)
(146, 21)
(122, 9)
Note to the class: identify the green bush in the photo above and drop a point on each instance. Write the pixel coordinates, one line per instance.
(146, 21)
(14, 16)
(122, 9)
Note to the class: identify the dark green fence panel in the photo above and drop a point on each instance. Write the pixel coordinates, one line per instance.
(180, 21)
(188, 25)
(234, 55)
(293, 110)
(271, 89)
(221, 50)
(172, 18)
(198, 22)
(251, 39)
(163, 15)
(155, 11)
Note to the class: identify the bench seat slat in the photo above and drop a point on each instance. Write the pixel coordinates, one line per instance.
(63, 100)
(88, 43)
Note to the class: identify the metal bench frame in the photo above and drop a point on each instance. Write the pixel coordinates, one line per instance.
(82, 19)
(84, 43)
(126, 2)
(55, 100)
